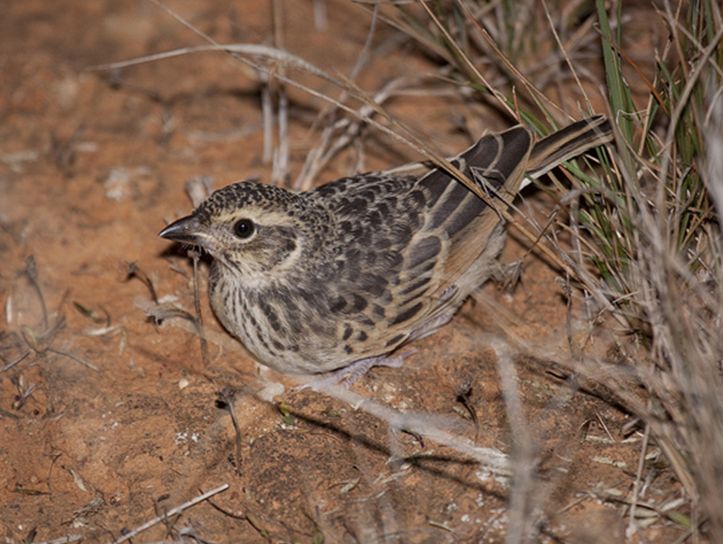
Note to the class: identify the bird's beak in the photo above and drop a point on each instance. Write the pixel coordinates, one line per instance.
(187, 230)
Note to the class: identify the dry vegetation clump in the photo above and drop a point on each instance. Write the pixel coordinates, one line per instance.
(646, 244)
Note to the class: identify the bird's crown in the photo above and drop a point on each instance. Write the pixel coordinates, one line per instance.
(237, 197)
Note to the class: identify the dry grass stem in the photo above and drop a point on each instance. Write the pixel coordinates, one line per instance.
(170, 513)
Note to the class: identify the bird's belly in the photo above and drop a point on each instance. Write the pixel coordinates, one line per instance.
(288, 341)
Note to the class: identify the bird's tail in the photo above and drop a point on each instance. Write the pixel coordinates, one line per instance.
(567, 143)
(501, 164)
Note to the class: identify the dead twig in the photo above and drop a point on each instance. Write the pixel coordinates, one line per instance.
(226, 400)
(40, 342)
(134, 271)
(172, 512)
(16, 361)
(63, 540)
(31, 271)
(249, 518)
(195, 256)
(73, 357)
(632, 526)
(24, 391)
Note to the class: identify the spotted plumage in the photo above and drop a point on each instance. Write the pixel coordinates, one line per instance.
(317, 281)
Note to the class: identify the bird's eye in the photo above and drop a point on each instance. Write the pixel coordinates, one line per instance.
(244, 228)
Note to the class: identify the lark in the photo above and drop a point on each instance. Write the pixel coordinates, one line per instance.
(340, 277)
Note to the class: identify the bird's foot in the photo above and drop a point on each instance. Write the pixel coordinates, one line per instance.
(349, 374)
(507, 275)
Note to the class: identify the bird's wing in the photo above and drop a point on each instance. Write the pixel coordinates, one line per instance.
(409, 251)
(379, 262)
(403, 243)
(497, 163)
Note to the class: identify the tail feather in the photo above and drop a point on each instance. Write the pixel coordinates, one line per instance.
(567, 143)
(501, 164)
(496, 163)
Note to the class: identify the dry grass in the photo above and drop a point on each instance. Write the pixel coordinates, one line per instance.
(647, 222)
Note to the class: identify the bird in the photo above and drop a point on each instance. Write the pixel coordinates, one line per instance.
(337, 279)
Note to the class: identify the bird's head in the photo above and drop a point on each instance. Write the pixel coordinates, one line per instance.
(255, 230)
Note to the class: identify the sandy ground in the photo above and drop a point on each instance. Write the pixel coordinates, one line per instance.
(91, 168)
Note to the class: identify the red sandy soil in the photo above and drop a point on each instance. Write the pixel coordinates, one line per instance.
(92, 167)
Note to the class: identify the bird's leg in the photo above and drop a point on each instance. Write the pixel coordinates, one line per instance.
(352, 372)
(507, 275)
